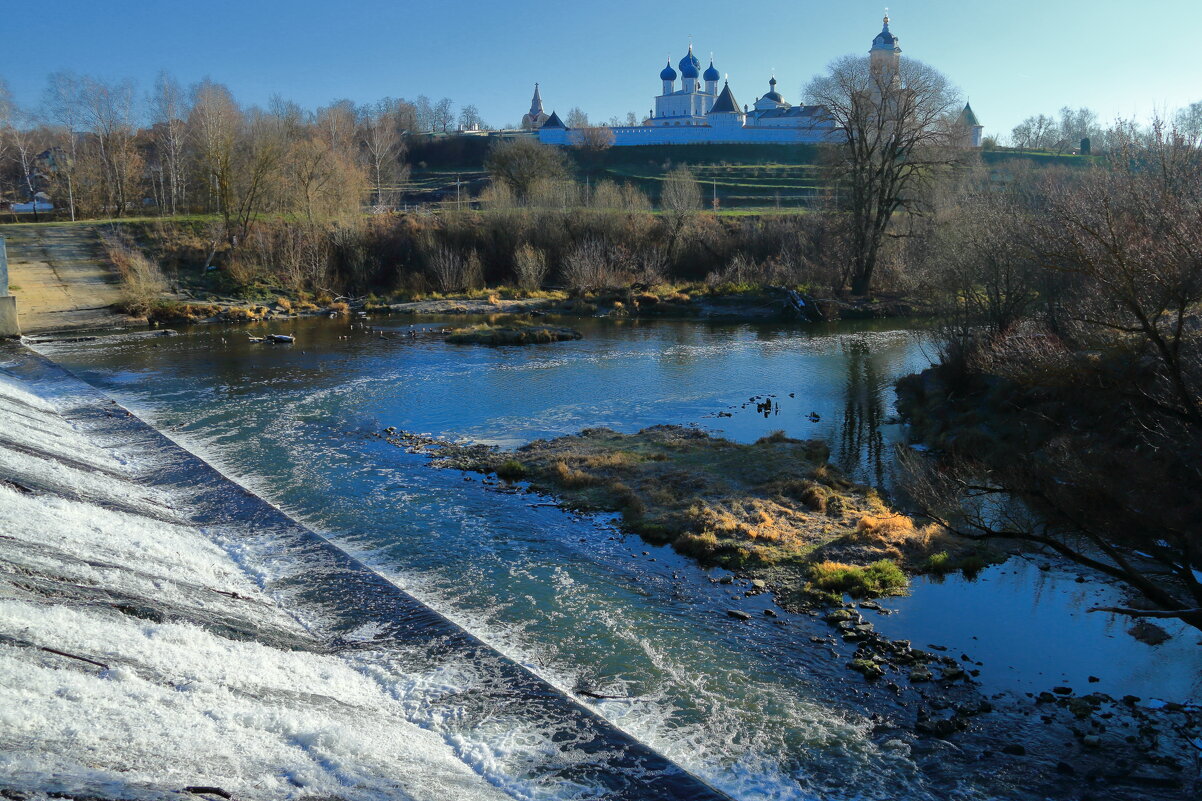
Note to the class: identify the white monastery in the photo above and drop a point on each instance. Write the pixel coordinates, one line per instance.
(692, 109)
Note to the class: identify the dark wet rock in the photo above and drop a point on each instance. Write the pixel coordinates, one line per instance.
(941, 727)
(770, 613)
(1062, 690)
(952, 673)
(838, 616)
(1148, 632)
(1065, 769)
(867, 668)
(920, 674)
(1014, 749)
(738, 614)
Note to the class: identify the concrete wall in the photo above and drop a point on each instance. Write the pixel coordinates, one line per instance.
(9, 327)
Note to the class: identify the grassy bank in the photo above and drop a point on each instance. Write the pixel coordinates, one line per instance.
(511, 333)
(775, 509)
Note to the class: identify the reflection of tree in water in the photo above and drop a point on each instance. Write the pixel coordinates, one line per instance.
(861, 447)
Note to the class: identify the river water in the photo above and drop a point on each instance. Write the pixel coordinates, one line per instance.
(757, 709)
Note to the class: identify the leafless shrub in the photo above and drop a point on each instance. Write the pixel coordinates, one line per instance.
(530, 266)
(451, 271)
(142, 280)
(587, 266)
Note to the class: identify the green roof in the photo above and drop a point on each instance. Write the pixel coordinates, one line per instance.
(968, 117)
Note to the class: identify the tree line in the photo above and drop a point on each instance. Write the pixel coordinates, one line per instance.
(103, 149)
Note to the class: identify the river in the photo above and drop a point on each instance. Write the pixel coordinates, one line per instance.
(756, 709)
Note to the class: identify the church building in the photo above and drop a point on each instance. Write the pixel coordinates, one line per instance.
(692, 109)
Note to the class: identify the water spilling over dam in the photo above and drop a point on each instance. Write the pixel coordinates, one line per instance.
(164, 628)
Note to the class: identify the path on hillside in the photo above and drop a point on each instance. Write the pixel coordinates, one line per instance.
(61, 278)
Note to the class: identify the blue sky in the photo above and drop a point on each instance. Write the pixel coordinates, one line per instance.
(1011, 57)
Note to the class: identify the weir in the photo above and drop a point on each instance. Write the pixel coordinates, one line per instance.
(338, 598)
(9, 325)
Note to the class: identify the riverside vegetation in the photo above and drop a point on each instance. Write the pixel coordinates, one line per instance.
(775, 510)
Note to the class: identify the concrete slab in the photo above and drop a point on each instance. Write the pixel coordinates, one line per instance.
(60, 278)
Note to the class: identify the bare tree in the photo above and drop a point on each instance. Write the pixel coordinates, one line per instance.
(1103, 395)
(523, 162)
(213, 128)
(470, 119)
(1076, 125)
(168, 115)
(1188, 121)
(108, 111)
(591, 139)
(442, 116)
(423, 114)
(63, 105)
(680, 200)
(897, 126)
(383, 146)
(338, 124)
(7, 108)
(577, 118)
(1034, 133)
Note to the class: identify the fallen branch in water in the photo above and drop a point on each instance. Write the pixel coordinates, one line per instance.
(25, 644)
(1182, 614)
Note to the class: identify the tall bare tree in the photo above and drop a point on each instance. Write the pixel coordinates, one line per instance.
(110, 115)
(680, 200)
(1034, 133)
(442, 116)
(214, 123)
(168, 113)
(470, 119)
(383, 147)
(896, 123)
(63, 106)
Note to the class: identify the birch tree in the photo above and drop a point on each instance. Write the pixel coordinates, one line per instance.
(168, 112)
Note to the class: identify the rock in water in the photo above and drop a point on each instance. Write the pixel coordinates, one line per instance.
(1148, 632)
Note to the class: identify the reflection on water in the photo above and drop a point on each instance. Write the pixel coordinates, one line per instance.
(861, 442)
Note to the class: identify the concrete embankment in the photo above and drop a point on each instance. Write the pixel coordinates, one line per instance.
(60, 278)
(162, 628)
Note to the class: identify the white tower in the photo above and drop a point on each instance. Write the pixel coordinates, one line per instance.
(885, 54)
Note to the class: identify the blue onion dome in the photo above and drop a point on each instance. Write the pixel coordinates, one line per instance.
(668, 74)
(711, 74)
(690, 67)
(885, 40)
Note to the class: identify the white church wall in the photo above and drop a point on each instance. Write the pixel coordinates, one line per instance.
(626, 136)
